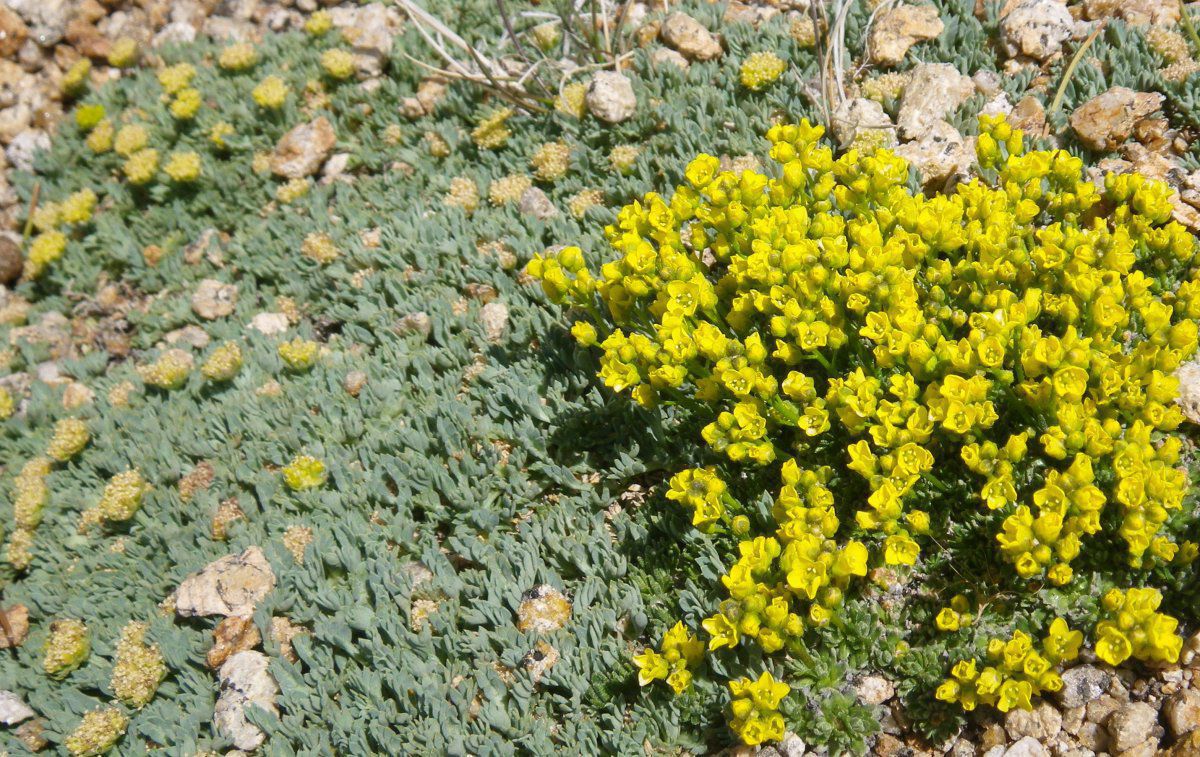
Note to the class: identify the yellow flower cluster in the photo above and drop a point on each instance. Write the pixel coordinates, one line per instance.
(679, 655)
(319, 247)
(66, 647)
(70, 437)
(238, 57)
(1015, 673)
(30, 494)
(78, 206)
(508, 189)
(186, 104)
(292, 189)
(761, 70)
(141, 166)
(1021, 332)
(224, 362)
(338, 63)
(755, 708)
(124, 53)
(271, 93)
(183, 167)
(170, 371)
(7, 405)
(97, 732)
(551, 161)
(299, 354)
(130, 139)
(139, 667)
(1130, 626)
(76, 78)
(319, 23)
(100, 139)
(304, 472)
(45, 248)
(463, 193)
(492, 132)
(87, 116)
(572, 100)
(122, 496)
(175, 78)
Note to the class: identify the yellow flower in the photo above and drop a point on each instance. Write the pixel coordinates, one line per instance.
(183, 167)
(338, 63)
(238, 57)
(123, 53)
(299, 354)
(760, 70)
(186, 104)
(948, 620)
(319, 23)
(141, 166)
(271, 93)
(304, 472)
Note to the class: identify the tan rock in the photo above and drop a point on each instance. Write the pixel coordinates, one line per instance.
(232, 635)
(898, 29)
(214, 299)
(932, 93)
(855, 117)
(1036, 28)
(11, 259)
(1042, 723)
(494, 317)
(1137, 12)
(539, 660)
(1029, 115)
(742, 13)
(302, 150)
(1131, 725)
(17, 620)
(245, 680)
(230, 586)
(610, 97)
(688, 36)
(87, 39)
(543, 609)
(1189, 746)
(1107, 120)
(1182, 712)
(12, 32)
(939, 154)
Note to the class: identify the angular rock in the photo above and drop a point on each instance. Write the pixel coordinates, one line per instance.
(665, 56)
(25, 146)
(1026, 747)
(494, 317)
(370, 30)
(11, 259)
(933, 92)
(271, 324)
(230, 586)
(13, 709)
(898, 29)
(858, 116)
(543, 609)
(689, 37)
(214, 299)
(245, 681)
(874, 690)
(302, 150)
(12, 32)
(1082, 684)
(1136, 12)
(939, 154)
(1188, 746)
(1107, 120)
(1131, 725)
(610, 97)
(1028, 115)
(1036, 28)
(232, 635)
(534, 202)
(1041, 723)
(1182, 712)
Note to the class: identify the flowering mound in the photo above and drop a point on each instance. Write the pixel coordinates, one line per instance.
(912, 378)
